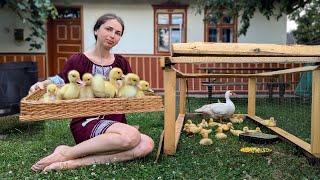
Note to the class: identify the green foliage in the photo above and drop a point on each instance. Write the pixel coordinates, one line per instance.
(245, 9)
(35, 14)
(308, 20)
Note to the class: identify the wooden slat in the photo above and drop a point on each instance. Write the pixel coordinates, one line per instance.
(252, 88)
(243, 49)
(195, 75)
(183, 90)
(169, 111)
(289, 71)
(315, 114)
(159, 147)
(179, 124)
(221, 59)
(302, 144)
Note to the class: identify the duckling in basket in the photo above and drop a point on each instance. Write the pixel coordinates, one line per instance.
(51, 93)
(70, 90)
(129, 89)
(98, 86)
(143, 87)
(86, 90)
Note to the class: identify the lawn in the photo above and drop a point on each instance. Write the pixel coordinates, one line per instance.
(25, 144)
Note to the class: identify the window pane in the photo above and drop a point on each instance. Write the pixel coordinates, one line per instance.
(163, 18)
(163, 40)
(176, 35)
(177, 19)
(226, 35)
(212, 35)
(227, 19)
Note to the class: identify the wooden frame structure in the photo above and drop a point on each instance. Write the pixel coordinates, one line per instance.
(237, 53)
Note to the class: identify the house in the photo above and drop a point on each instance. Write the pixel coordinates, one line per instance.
(150, 27)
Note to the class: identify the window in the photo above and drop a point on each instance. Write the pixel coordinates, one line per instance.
(223, 31)
(169, 27)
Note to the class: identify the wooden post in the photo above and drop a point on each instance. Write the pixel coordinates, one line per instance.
(315, 114)
(252, 96)
(169, 78)
(183, 90)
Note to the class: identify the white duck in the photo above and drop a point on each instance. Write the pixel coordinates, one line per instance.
(219, 110)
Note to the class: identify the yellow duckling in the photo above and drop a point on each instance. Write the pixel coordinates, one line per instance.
(205, 131)
(72, 89)
(110, 90)
(205, 140)
(236, 132)
(211, 123)
(237, 118)
(203, 123)
(98, 86)
(194, 129)
(51, 93)
(129, 89)
(226, 127)
(143, 86)
(116, 74)
(247, 130)
(220, 134)
(86, 90)
(269, 122)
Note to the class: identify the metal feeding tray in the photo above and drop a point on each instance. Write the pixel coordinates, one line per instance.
(258, 138)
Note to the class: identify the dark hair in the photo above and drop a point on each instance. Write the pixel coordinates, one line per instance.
(102, 19)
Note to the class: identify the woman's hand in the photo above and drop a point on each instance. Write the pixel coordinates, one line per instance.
(39, 85)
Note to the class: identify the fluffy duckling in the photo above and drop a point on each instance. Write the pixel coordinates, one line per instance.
(236, 132)
(194, 129)
(205, 131)
(129, 89)
(110, 90)
(205, 140)
(98, 86)
(211, 123)
(247, 130)
(143, 86)
(269, 122)
(72, 89)
(220, 134)
(203, 123)
(237, 118)
(51, 93)
(86, 90)
(226, 127)
(114, 75)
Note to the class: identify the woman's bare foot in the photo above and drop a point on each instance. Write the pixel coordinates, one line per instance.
(56, 156)
(60, 166)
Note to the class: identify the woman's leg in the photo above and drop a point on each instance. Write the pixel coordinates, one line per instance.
(142, 149)
(118, 137)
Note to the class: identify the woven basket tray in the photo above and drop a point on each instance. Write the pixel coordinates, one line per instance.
(32, 109)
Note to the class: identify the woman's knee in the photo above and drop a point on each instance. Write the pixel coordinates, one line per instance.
(130, 139)
(146, 146)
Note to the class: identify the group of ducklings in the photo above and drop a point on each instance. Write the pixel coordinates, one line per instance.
(117, 85)
(191, 128)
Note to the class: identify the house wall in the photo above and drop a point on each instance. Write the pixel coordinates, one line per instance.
(261, 30)
(10, 21)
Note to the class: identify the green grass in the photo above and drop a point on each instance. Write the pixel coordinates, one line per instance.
(25, 144)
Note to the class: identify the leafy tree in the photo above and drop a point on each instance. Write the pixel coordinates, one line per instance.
(245, 9)
(34, 13)
(308, 20)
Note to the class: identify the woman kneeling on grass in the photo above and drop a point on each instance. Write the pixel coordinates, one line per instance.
(105, 139)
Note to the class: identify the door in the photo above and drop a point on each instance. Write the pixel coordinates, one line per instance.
(64, 38)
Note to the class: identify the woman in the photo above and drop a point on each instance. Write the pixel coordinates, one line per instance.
(107, 138)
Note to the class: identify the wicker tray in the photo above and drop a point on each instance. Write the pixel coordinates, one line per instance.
(31, 109)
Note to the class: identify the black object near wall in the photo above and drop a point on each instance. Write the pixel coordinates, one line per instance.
(16, 79)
